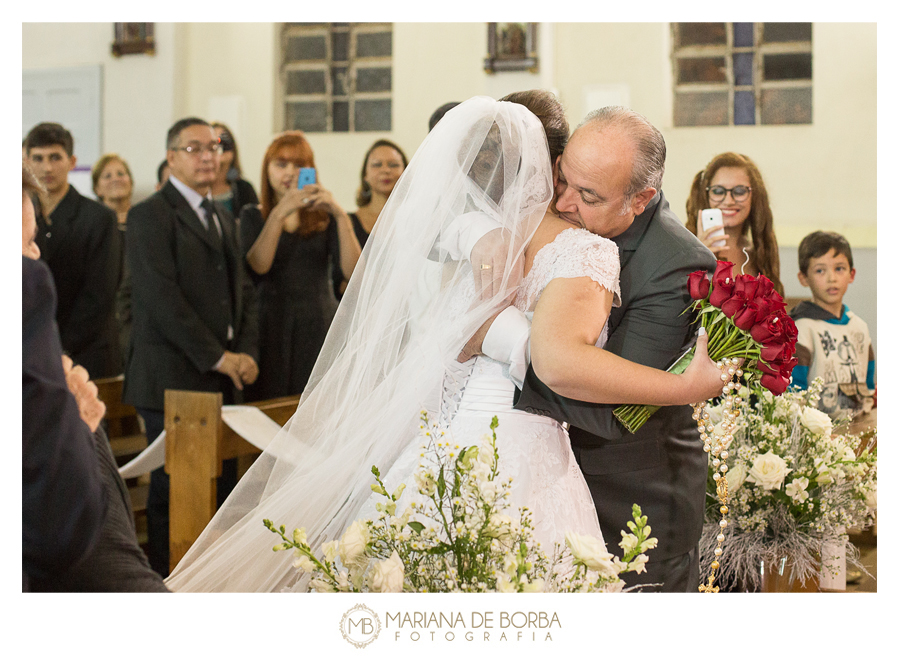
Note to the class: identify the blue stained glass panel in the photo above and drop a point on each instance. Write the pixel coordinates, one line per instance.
(744, 108)
(743, 69)
(743, 35)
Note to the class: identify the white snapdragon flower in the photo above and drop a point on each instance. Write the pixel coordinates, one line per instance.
(352, 547)
(797, 489)
(321, 585)
(629, 542)
(537, 585)
(330, 550)
(768, 471)
(817, 422)
(639, 563)
(591, 552)
(500, 526)
(303, 562)
(505, 584)
(387, 575)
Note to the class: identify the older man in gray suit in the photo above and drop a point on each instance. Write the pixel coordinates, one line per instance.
(608, 181)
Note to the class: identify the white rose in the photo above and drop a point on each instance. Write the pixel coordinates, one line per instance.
(872, 499)
(735, 476)
(768, 471)
(387, 575)
(797, 489)
(591, 552)
(715, 414)
(816, 421)
(352, 548)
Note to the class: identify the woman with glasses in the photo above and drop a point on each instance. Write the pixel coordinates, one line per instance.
(382, 166)
(229, 188)
(297, 243)
(732, 183)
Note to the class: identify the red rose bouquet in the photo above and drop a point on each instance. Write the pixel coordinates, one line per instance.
(745, 318)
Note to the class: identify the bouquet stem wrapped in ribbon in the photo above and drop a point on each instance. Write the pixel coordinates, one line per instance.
(745, 318)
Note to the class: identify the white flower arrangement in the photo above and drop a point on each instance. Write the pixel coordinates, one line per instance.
(458, 536)
(795, 483)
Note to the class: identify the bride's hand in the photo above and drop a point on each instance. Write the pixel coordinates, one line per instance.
(702, 379)
(489, 267)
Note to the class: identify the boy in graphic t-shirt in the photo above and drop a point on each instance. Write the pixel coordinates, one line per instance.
(832, 343)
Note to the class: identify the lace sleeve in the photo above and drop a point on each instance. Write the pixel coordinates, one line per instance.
(577, 253)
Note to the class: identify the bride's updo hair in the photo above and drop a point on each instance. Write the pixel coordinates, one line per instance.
(546, 107)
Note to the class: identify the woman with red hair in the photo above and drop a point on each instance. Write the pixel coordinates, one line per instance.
(299, 245)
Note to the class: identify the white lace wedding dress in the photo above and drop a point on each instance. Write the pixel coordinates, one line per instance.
(534, 450)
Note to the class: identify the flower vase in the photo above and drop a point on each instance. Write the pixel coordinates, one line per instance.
(775, 577)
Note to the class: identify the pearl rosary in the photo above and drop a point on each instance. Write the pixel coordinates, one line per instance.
(717, 444)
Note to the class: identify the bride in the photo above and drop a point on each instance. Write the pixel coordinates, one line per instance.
(411, 305)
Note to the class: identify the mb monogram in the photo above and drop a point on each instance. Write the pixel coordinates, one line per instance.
(360, 625)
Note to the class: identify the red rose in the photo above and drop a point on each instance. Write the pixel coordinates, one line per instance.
(765, 286)
(776, 353)
(746, 317)
(772, 370)
(722, 283)
(746, 286)
(698, 285)
(776, 328)
(775, 383)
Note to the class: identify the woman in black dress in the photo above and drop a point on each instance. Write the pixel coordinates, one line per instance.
(297, 243)
(382, 166)
(229, 188)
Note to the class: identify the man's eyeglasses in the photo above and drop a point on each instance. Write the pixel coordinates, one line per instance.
(198, 149)
(738, 192)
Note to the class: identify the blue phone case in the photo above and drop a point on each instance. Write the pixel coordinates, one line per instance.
(307, 176)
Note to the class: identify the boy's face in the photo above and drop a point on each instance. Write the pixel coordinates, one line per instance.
(827, 277)
(52, 165)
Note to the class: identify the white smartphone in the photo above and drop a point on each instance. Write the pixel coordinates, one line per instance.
(711, 218)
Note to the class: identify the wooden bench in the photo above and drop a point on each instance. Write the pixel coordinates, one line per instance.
(126, 439)
(197, 441)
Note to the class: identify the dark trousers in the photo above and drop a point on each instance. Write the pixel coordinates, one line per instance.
(158, 497)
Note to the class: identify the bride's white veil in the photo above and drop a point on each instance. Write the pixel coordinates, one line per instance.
(408, 310)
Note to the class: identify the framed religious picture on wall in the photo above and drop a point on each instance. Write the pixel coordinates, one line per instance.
(133, 39)
(512, 47)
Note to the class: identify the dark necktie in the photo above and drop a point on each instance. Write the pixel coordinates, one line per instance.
(207, 206)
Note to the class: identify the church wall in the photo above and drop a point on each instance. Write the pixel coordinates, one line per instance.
(818, 176)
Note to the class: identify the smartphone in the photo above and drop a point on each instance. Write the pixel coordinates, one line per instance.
(711, 218)
(307, 176)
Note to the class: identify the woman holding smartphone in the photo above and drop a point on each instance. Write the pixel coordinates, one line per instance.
(298, 243)
(732, 183)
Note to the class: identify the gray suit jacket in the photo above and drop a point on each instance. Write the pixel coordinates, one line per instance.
(662, 467)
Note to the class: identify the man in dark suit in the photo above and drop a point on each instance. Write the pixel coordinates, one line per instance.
(77, 525)
(608, 181)
(79, 239)
(193, 307)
